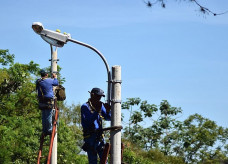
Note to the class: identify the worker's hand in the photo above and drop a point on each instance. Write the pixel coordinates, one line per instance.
(98, 106)
(53, 75)
(107, 107)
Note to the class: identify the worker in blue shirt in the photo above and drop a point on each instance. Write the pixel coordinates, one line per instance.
(44, 86)
(92, 114)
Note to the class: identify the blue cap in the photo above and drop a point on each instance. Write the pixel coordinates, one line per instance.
(43, 72)
(98, 91)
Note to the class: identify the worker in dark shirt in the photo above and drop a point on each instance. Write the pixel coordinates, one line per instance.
(92, 114)
(44, 86)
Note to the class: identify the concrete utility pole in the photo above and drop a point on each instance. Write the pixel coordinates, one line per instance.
(54, 70)
(116, 115)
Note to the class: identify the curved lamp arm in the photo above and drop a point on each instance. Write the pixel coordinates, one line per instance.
(104, 60)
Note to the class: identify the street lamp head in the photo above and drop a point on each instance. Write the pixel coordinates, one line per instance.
(52, 37)
(52, 41)
(37, 27)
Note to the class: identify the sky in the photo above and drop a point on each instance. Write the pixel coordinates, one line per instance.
(175, 54)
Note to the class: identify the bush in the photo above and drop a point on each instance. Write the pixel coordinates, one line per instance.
(134, 155)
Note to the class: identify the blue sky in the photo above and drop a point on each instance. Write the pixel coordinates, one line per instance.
(175, 54)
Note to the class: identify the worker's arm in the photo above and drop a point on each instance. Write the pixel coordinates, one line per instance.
(55, 80)
(106, 111)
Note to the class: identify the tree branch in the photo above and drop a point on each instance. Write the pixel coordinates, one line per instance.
(203, 9)
(206, 10)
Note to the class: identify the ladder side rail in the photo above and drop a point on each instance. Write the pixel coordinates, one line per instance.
(53, 135)
(41, 148)
(105, 154)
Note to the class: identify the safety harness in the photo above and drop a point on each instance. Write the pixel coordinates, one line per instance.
(44, 103)
(86, 133)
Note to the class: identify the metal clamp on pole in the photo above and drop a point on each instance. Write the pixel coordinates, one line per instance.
(113, 128)
(53, 60)
(116, 81)
(116, 101)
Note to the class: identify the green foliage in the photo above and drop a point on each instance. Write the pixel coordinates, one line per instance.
(19, 117)
(197, 139)
(19, 139)
(134, 155)
(68, 148)
(17, 91)
(6, 58)
(162, 123)
(201, 138)
(70, 137)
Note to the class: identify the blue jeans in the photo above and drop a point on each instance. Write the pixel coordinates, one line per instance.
(95, 148)
(47, 121)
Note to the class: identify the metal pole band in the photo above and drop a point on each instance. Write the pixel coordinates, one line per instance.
(116, 81)
(113, 128)
(116, 101)
(54, 60)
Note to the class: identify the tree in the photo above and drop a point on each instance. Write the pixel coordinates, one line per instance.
(159, 125)
(201, 138)
(196, 139)
(18, 112)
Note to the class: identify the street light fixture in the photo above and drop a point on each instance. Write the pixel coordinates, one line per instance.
(57, 39)
(54, 38)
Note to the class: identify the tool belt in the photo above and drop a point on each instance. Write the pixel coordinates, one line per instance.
(87, 134)
(46, 103)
